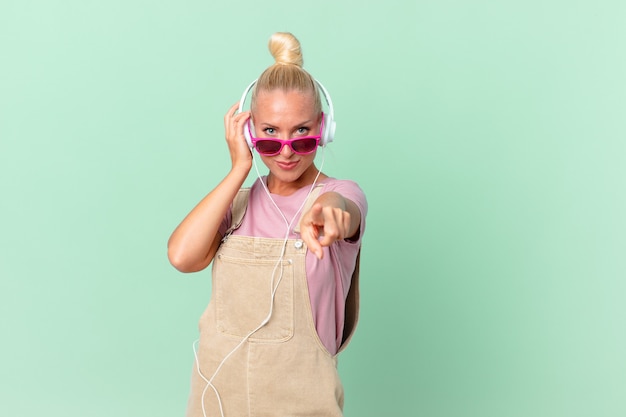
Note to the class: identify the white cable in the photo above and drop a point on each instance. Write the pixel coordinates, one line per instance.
(267, 191)
(208, 382)
(273, 288)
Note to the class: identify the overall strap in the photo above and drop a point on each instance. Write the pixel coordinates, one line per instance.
(238, 210)
(352, 306)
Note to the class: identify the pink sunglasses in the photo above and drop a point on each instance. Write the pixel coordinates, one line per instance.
(303, 145)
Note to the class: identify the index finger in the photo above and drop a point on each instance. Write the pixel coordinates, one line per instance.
(233, 109)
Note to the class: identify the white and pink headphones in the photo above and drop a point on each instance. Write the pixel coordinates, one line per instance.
(329, 117)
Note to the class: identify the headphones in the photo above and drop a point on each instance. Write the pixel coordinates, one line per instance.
(327, 135)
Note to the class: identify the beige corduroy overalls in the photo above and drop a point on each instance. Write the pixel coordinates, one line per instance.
(283, 369)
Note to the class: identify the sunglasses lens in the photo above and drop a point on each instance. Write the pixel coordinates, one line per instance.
(267, 147)
(303, 145)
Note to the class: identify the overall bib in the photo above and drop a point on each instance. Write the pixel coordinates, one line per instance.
(283, 369)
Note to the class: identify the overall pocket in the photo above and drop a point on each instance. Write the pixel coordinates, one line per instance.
(243, 294)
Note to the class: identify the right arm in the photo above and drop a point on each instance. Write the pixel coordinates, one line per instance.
(193, 243)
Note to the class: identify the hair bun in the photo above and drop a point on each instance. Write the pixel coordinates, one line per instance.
(285, 49)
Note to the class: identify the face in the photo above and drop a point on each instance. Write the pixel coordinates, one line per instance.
(287, 115)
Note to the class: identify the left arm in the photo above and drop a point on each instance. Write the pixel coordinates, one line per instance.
(332, 217)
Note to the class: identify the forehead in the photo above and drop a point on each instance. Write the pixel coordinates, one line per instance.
(280, 104)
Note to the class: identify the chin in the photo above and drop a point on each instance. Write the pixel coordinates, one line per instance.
(287, 177)
(300, 172)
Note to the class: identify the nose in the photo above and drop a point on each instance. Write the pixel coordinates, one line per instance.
(286, 151)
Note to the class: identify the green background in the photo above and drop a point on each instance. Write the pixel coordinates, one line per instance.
(489, 137)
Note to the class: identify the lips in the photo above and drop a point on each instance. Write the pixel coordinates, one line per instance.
(287, 165)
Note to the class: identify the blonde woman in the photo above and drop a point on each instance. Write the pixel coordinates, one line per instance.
(285, 254)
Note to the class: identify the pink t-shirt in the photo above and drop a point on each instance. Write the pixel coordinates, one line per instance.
(329, 278)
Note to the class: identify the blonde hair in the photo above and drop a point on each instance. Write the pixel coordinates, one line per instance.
(286, 73)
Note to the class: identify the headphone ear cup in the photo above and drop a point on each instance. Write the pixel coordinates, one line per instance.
(246, 133)
(329, 130)
(246, 127)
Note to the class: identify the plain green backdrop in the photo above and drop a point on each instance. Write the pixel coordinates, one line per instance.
(489, 137)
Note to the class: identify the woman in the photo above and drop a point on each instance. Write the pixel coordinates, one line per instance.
(284, 298)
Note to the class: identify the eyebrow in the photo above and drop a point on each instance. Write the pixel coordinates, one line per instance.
(266, 124)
